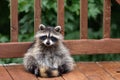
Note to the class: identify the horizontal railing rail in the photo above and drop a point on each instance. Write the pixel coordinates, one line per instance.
(17, 49)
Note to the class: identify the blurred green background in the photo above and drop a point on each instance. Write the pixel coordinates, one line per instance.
(72, 21)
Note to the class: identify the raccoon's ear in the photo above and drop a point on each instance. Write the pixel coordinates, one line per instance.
(58, 28)
(41, 27)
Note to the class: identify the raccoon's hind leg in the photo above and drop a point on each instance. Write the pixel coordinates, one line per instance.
(31, 65)
(67, 65)
(42, 71)
(48, 72)
(64, 69)
(53, 72)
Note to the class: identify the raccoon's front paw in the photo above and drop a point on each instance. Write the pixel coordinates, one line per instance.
(64, 69)
(34, 70)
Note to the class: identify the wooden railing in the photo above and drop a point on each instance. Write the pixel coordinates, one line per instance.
(14, 20)
(82, 46)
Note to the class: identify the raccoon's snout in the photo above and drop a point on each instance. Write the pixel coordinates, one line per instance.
(48, 43)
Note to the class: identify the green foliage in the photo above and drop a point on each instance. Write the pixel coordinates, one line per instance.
(3, 38)
(95, 7)
(97, 57)
(26, 20)
(25, 5)
(72, 21)
(72, 9)
(11, 60)
(4, 21)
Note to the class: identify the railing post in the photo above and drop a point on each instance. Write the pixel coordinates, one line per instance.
(60, 14)
(106, 18)
(14, 20)
(37, 14)
(83, 19)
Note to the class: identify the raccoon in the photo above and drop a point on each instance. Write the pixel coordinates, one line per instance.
(48, 57)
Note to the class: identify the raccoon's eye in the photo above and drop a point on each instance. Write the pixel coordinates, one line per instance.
(54, 39)
(43, 37)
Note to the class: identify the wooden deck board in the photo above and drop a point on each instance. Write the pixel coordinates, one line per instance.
(83, 71)
(111, 68)
(18, 73)
(4, 75)
(93, 71)
(75, 75)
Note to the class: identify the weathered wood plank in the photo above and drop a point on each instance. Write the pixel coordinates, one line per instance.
(18, 73)
(93, 46)
(106, 18)
(4, 75)
(60, 14)
(83, 71)
(16, 49)
(37, 14)
(83, 19)
(14, 20)
(93, 71)
(8, 50)
(111, 68)
(75, 75)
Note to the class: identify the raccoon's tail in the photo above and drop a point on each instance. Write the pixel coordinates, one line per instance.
(49, 72)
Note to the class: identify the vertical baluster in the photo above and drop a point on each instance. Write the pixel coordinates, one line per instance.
(60, 14)
(106, 18)
(83, 19)
(37, 14)
(14, 20)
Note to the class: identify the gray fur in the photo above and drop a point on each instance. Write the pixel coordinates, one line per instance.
(54, 56)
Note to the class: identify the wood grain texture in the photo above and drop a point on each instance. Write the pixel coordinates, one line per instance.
(93, 71)
(75, 75)
(106, 18)
(18, 73)
(111, 68)
(15, 49)
(83, 71)
(14, 20)
(60, 14)
(4, 75)
(37, 14)
(83, 19)
(104, 46)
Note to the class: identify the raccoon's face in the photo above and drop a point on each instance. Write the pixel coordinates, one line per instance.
(48, 35)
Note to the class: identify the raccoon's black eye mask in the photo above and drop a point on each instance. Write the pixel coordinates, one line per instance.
(54, 39)
(43, 37)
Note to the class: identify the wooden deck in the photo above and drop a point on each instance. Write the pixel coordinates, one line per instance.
(83, 71)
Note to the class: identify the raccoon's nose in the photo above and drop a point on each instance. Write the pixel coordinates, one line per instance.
(48, 43)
